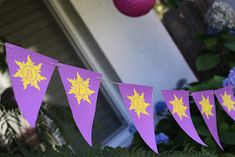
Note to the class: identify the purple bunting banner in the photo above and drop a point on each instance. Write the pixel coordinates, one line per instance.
(206, 105)
(178, 104)
(31, 72)
(30, 75)
(226, 98)
(138, 101)
(81, 88)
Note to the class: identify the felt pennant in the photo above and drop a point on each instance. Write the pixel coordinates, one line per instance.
(226, 98)
(30, 75)
(206, 105)
(81, 88)
(138, 101)
(178, 104)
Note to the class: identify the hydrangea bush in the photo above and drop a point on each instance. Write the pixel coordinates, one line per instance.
(220, 17)
(230, 80)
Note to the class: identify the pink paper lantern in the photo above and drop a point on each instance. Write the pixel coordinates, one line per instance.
(134, 8)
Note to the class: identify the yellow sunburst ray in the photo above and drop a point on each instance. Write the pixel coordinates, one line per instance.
(228, 102)
(138, 103)
(29, 73)
(206, 106)
(81, 89)
(178, 107)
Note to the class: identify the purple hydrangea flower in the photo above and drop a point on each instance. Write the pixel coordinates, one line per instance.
(230, 80)
(160, 107)
(162, 138)
(132, 129)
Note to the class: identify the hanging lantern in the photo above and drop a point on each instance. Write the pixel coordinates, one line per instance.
(134, 8)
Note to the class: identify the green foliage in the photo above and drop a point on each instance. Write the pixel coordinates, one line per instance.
(207, 61)
(163, 6)
(172, 3)
(107, 152)
(210, 42)
(61, 130)
(213, 83)
(230, 45)
(219, 52)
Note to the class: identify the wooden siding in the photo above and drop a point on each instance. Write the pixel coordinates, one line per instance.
(28, 23)
(183, 24)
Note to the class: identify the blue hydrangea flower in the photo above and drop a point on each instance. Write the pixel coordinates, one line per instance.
(181, 83)
(212, 31)
(132, 129)
(160, 107)
(231, 31)
(230, 80)
(162, 138)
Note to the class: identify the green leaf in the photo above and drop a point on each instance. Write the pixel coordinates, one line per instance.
(224, 127)
(210, 42)
(231, 64)
(202, 131)
(210, 142)
(200, 126)
(228, 138)
(227, 155)
(207, 61)
(227, 37)
(230, 45)
(199, 87)
(214, 83)
(233, 127)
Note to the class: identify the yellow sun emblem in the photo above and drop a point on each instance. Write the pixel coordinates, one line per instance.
(138, 104)
(228, 102)
(29, 73)
(206, 106)
(178, 107)
(81, 89)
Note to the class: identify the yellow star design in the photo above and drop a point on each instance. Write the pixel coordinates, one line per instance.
(138, 104)
(81, 89)
(29, 73)
(228, 102)
(206, 106)
(178, 107)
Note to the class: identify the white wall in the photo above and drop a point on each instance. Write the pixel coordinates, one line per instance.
(139, 49)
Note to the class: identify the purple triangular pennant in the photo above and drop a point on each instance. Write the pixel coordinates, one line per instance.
(226, 99)
(81, 87)
(138, 101)
(178, 104)
(30, 75)
(206, 105)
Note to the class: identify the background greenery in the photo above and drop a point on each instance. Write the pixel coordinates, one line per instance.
(216, 60)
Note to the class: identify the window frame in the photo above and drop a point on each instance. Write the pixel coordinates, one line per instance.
(68, 21)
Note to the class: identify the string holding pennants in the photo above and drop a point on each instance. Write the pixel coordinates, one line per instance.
(30, 74)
